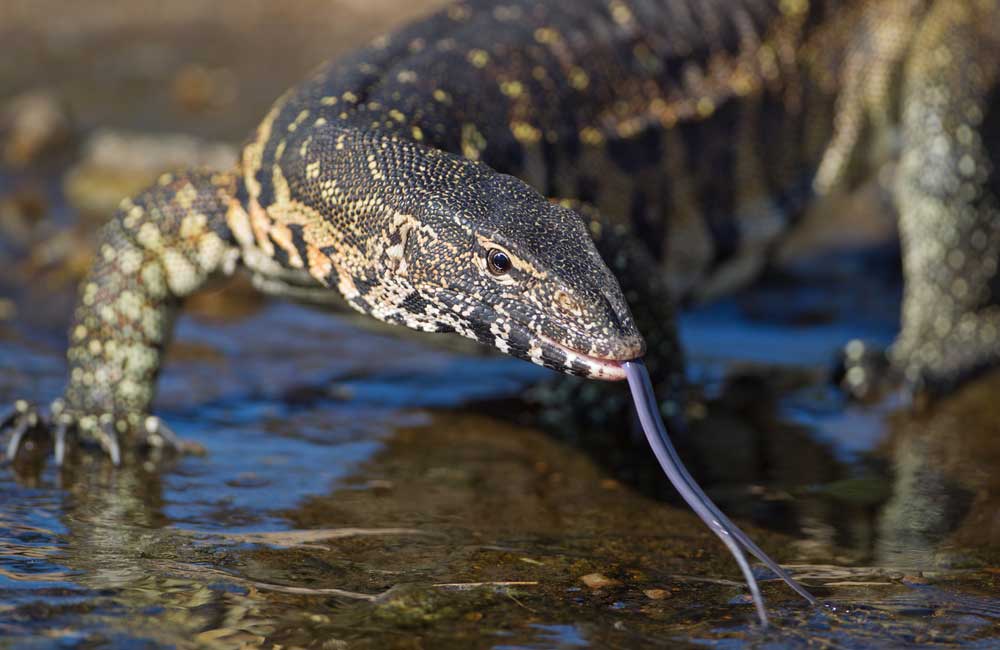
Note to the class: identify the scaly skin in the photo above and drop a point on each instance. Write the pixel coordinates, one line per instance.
(687, 134)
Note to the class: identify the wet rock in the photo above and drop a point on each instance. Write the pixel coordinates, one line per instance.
(656, 594)
(418, 606)
(117, 164)
(32, 126)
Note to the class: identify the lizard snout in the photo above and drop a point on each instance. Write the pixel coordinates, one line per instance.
(626, 348)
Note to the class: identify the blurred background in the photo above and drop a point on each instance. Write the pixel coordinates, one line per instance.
(362, 490)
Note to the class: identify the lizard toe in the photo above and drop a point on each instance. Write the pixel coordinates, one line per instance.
(107, 438)
(159, 435)
(22, 419)
(68, 428)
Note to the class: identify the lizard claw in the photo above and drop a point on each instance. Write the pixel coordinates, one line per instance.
(10, 415)
(107, 437)
(59, 436)
(159, 435)
(20, 421)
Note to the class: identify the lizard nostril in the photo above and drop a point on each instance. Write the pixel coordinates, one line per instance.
(567, 303)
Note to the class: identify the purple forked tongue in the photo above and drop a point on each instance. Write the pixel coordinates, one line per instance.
(734, 538)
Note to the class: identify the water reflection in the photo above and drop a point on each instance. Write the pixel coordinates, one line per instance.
(945, 496)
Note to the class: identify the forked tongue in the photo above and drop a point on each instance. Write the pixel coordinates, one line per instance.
(734, 538)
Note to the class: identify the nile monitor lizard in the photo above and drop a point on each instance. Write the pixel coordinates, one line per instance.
(409, 180)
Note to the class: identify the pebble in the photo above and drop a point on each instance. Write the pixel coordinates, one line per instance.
(598, 581)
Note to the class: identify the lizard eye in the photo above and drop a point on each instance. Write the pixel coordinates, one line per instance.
(497, 261)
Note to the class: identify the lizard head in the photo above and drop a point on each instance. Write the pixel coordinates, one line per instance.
(485, 255)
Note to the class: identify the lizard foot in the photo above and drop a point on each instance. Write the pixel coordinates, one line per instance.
(25, 419)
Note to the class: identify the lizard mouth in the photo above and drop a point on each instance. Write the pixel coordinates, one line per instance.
(604, 360)
(515, 337)
(588, 365)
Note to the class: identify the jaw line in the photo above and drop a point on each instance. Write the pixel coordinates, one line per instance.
(600, 368)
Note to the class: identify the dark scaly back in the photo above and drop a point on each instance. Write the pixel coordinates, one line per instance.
(632, 106)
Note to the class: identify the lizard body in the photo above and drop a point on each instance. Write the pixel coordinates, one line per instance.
(409, 179)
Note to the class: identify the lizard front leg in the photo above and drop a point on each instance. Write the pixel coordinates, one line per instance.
(947, 194)
(160, 247)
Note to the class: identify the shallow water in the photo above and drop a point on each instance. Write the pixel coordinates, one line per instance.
(356, 492)
(360, 490)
